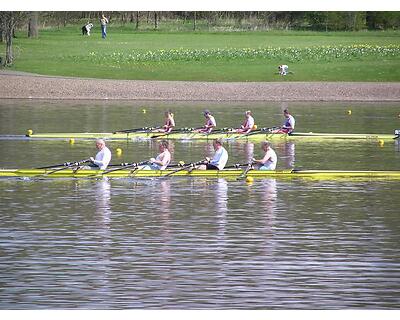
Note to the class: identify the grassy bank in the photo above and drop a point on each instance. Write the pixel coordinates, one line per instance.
(207, 56)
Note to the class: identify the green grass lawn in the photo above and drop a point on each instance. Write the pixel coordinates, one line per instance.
(210, 56)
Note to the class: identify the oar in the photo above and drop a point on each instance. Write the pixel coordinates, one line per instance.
(130, 130)
(56, 165)
(266, 130)
(223, 130)
(126, 166)
(68, 165)
(236, 166)
(190, 165)
(145, 129)
(244, 173)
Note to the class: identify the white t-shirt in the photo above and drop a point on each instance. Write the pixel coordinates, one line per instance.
(103, 158)
(284, 69)
(289, 122)
(270, 159)
(249, 123)
(211, 121)
(220, 158)
(165, 158)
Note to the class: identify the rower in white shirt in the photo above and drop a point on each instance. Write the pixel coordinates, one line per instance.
(288, 125)
(219, 159)
(210, 123)
(248, 123)
(162, 161)
(268, 162)
(103, 157)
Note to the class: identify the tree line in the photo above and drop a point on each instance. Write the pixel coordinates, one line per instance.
(32, 22)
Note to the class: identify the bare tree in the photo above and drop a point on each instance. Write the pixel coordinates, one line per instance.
(33, 24)
(9, 21)
(137, 20)
(155, 20)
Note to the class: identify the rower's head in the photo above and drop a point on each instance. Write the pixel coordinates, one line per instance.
(217, 143)
(265, 145)
(248, 113)
(164, 144)
(207, 113)
(286, 113)
(169, 114)
(100, 144)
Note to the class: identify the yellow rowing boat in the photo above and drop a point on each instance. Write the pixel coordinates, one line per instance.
(228, 173)
(181, 135)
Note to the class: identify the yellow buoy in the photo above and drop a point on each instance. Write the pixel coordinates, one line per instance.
(381, 143)
(29, 132)
(144, 110)
(119, 151)
(255, 127)
(349, 112)
(249, 180)
(71, 141)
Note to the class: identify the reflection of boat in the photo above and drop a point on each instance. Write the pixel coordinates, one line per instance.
(181, 135)
(228, 173)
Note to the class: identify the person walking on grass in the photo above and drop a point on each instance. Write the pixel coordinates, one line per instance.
(103, 24)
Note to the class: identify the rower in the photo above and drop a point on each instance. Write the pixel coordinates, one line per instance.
(162, 160)
(220, 158)
(248, 123)
(288, 125)
(103, 157)
(169, 123)
(210, 123)
(270, 159)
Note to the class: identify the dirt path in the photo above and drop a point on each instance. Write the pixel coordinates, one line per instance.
(30, 86)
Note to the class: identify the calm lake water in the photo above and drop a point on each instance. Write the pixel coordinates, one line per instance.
(185, 243)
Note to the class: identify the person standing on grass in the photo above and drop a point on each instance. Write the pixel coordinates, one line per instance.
(103, 24)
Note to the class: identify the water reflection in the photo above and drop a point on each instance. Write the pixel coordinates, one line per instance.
(249, 151)
(286, 153)
(222, 206)
(103, 195)
(165, 207)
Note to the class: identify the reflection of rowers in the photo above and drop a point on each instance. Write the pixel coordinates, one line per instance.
(210, 123)
(248, 123)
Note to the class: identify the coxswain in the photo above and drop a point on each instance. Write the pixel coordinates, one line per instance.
(210, 123)
(162, 160)
(219, 159)
(270, 159)
(248, 123)
(103, 157)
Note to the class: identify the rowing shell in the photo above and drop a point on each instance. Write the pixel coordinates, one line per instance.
(256, 136)
(228, 173)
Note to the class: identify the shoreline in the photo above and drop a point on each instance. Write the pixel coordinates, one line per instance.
(21, 85)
